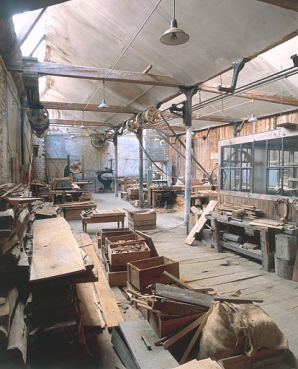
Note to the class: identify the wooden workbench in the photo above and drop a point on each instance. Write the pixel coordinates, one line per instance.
(103, 216)
(266, 237)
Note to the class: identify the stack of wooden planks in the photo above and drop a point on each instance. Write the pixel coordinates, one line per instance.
(60, 278)
(16, 216)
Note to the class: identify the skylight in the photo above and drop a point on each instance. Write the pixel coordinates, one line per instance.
(34, 44)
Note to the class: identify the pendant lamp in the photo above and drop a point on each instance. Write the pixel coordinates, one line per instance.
(103, 102)
(253, 118)
(174, 35)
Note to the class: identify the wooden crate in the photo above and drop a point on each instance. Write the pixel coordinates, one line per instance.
(165, 326)
(123, 237)
(109, 232)
(142, 273)
(141, 219)
(116, 278)
(142, 225)
(121, 259)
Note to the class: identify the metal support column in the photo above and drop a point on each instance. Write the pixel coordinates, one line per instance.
(189, 92)
(115, 141)
(141, 168)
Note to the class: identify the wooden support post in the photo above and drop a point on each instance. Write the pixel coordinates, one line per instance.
(216, 227)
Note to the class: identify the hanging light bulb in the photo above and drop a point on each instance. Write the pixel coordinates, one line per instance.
(252, 118)
(103, 102)
(174, 35)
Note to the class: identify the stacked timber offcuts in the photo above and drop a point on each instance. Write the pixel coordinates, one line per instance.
(54, 317)
(141, 219)
(16, 216)
(195, 325)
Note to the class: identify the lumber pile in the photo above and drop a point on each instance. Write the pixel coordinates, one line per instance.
(59, 294)
(16, 217)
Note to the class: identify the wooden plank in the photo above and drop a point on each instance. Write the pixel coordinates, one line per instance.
(170, 342)
(90, 312)
(75, 71)
(133, 331)
(149, 242)
(176, 307)
(196, 336)
(239, 300)
(200, 223)
(200, 364)
(55, 250)
(111, 312)
(182, 295)
(122, 350)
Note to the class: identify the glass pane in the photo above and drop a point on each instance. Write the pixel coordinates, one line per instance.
(225, 155)
(225, 179)
(246, 180)
(290, 184)
(291, 151)
(235, 179)
(274, 181)
(247, 155)
(235, 159)
(275, 152)
(259, 167)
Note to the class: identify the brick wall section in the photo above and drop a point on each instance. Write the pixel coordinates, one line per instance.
(39, 164)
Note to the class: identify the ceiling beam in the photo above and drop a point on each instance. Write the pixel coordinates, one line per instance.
(74, 71)
(85, 107)
(253, 95)
(288, 4)
(78, 122)
(25, 32)
(212, 118)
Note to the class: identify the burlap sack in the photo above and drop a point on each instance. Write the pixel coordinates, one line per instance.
(234, 329)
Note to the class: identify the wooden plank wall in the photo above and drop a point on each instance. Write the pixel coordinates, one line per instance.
(207, 153)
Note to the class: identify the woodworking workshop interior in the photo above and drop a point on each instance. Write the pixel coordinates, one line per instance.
(149, 184)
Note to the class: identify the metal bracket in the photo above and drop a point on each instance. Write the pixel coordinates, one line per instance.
(295, 60)
(237, 67)
(174, 109)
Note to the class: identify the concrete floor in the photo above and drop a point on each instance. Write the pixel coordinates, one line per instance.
(202, 266)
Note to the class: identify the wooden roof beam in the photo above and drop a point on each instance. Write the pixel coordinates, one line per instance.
(78, 122)
(253, 95)
(74, 71)
(85, 107)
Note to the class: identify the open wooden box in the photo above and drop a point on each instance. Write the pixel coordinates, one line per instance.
(126, 241)
(142, 273)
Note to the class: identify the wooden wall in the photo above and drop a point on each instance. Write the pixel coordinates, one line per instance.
(207, 153)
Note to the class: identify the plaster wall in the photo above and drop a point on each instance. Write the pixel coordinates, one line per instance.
(59, 145)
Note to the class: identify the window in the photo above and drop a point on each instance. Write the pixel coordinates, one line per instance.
(268, 166)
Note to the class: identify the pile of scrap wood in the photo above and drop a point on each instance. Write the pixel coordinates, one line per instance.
(54, 317)
(174, 313)
(16, 217)
(193, 324)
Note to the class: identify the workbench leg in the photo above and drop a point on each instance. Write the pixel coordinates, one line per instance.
(118, 224)
(264, 238)
(122, 224)
(216, 228)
